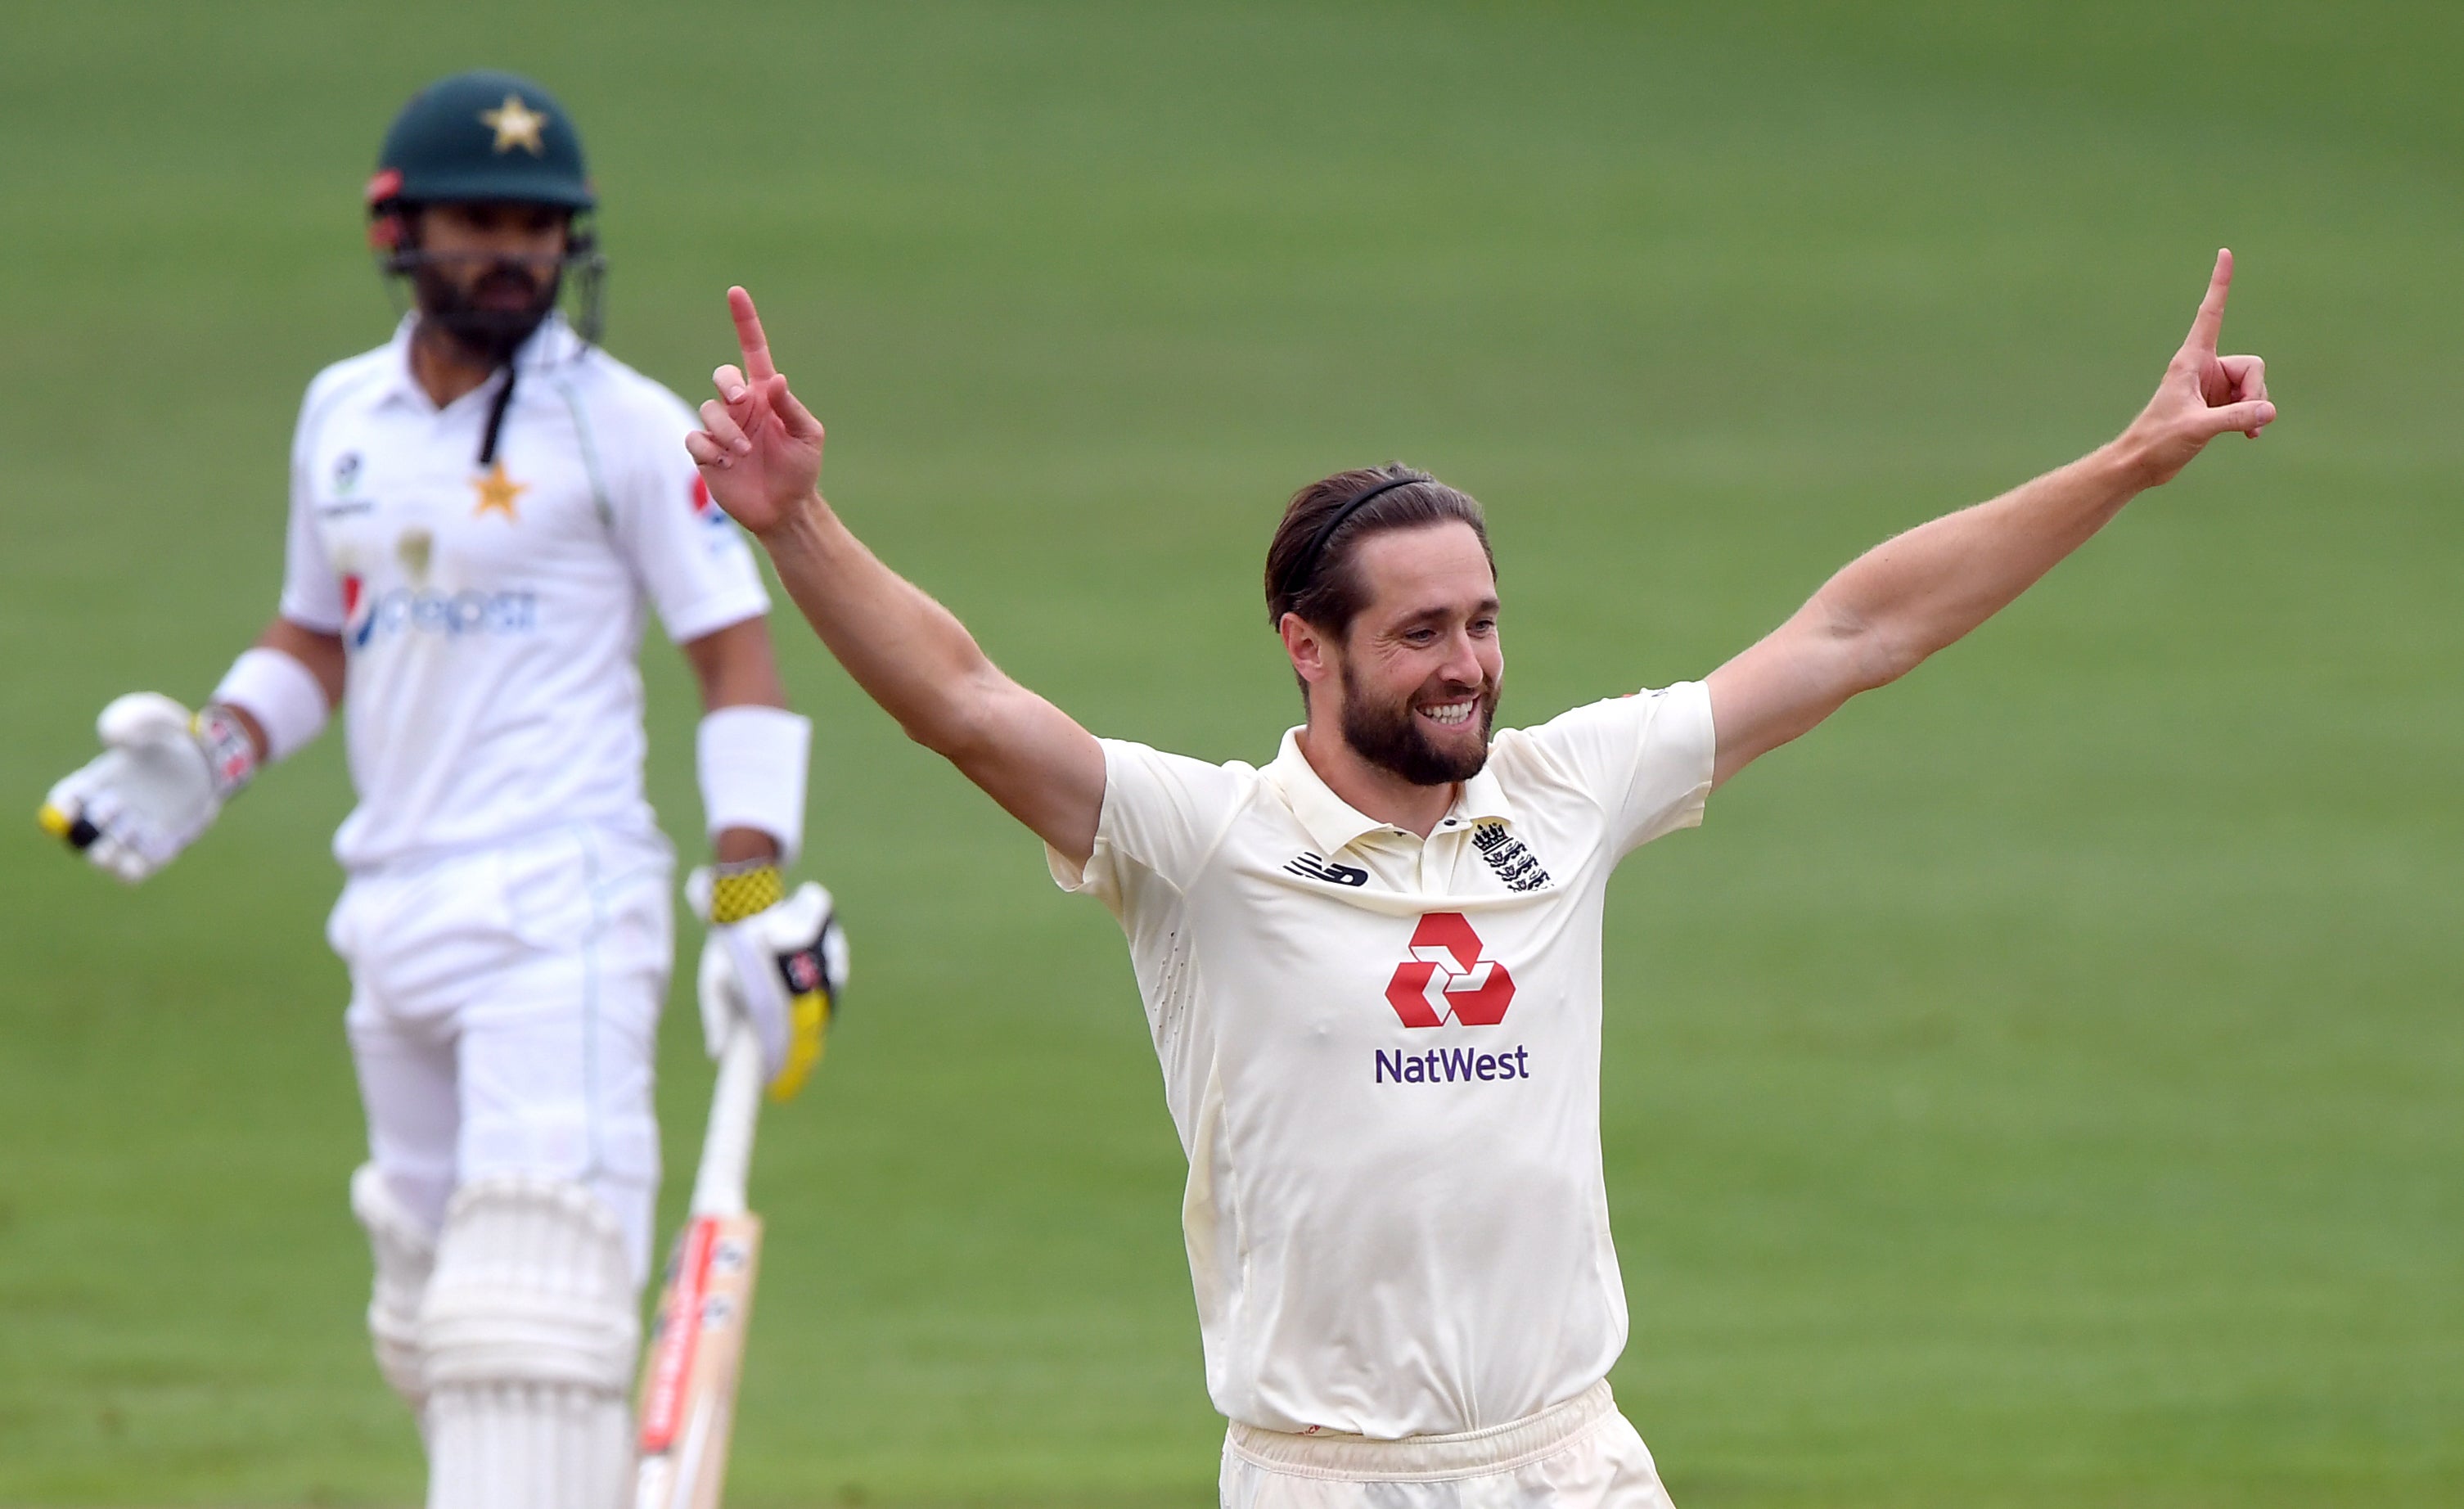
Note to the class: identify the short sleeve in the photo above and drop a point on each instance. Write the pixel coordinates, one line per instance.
(311, 594)
(691, 558)
(1163, 816)
(1646, 759)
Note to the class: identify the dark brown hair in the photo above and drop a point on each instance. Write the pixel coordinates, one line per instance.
(1315, 577)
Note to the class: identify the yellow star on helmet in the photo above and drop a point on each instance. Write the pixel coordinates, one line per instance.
(516, 125)
(496, 494)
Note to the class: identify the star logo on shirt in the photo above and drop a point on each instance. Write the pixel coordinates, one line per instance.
(516, 125)
(496, 494)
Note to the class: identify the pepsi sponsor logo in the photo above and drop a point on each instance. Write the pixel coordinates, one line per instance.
(454, 615)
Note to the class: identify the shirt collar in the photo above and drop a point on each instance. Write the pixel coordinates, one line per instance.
(1335, 824)
(1484, 797)
(401, 387)
(553, 343)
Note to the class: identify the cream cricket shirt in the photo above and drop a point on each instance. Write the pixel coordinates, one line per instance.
(1383, 1057)
(492, 617)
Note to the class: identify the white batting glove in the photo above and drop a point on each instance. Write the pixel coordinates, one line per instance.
(161, 779)
(773, 960)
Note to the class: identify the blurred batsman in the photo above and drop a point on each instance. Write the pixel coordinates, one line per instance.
(1372, 967)
(480, 512)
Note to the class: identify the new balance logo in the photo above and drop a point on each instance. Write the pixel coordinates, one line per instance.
(1446, 978)
(1309, 867)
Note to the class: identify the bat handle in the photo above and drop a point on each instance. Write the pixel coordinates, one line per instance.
(727, 1149)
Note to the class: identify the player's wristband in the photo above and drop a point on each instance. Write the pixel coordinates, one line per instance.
(231, 754)
(751, 763)
(278, 691)
(739, 889)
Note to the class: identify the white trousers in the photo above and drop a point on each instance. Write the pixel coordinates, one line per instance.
(504, 1010)
(1577, 1455)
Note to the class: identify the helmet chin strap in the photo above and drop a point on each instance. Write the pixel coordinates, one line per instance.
(497, 418)
(393, 236)
(504, 399)
(505, 346)
(588, 268)
(502, 343)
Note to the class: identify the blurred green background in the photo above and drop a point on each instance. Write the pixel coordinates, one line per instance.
(2040, 1087)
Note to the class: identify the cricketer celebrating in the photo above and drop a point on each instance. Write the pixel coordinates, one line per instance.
(1371, 967)
(480, 511)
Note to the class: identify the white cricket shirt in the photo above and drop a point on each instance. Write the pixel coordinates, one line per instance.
(491, 620)
(1383, 1057)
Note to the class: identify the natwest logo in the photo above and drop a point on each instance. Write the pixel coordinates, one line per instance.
(1446, 977)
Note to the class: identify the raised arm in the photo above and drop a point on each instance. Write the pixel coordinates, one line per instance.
(760, 451)
(1910, 595)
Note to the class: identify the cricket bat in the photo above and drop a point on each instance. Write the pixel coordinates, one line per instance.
(696, 1350)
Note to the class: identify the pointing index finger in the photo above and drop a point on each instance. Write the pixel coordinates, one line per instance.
(2204, 330)
(749, 337)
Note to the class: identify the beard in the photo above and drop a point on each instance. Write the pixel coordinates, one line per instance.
(491, 329)
(1387, 734)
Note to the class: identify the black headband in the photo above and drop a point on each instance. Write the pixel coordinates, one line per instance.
(1308, 567)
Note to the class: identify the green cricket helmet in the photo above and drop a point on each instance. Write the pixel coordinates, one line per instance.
(482, 136)
(487, 137)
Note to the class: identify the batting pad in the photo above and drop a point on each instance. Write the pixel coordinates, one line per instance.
(530, 1330)
(406, 1256)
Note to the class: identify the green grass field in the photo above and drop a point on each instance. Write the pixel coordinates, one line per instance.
(2041, 1088)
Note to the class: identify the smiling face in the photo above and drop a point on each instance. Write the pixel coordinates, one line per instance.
(1413, 683)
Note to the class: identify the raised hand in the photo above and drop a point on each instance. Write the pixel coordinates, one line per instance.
(2203, 395)
(758, 449)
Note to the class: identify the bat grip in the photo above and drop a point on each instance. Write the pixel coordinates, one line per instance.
(727, 1148)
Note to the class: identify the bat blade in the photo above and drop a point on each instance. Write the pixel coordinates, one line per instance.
(696, 1355)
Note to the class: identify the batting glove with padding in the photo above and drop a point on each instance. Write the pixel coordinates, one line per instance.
(775, 960)
(161, 778)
